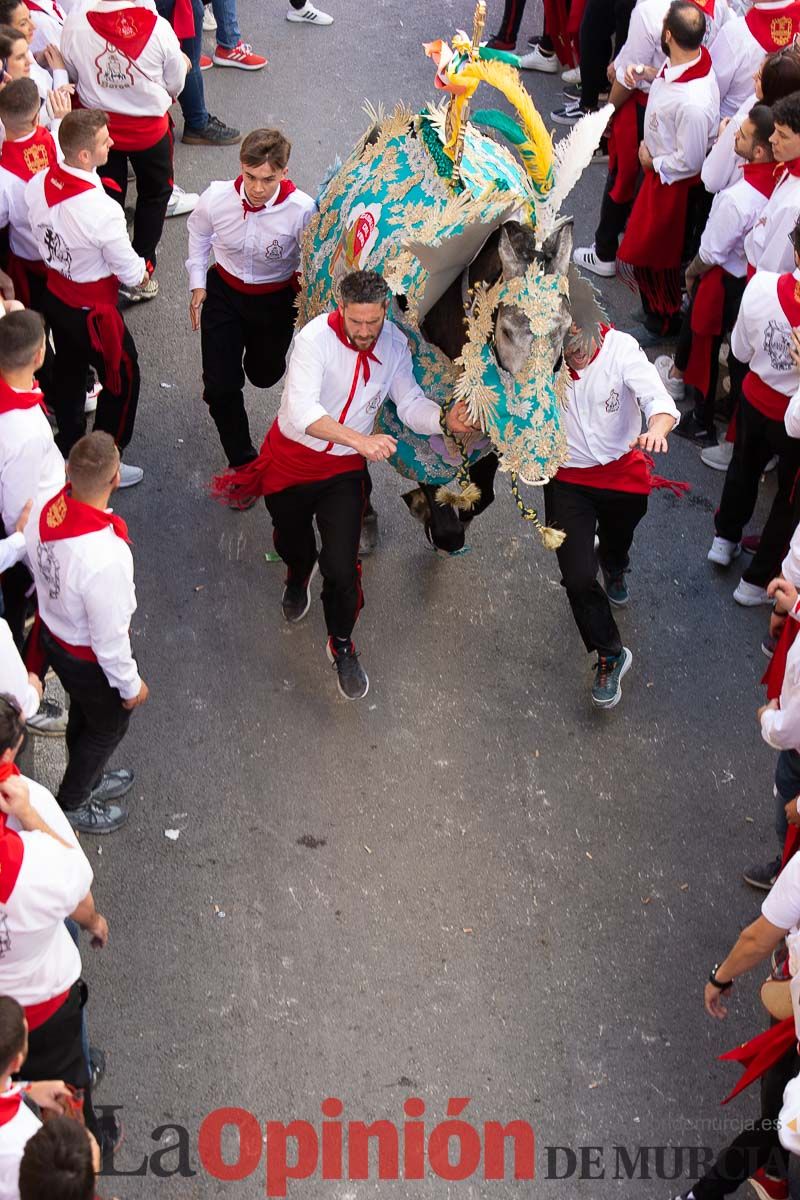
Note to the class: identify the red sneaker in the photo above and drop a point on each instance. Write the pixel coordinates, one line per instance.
(769, 1189)
(240, 56)
(205, 63)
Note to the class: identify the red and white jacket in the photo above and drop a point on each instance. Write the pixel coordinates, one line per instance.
(127, 61)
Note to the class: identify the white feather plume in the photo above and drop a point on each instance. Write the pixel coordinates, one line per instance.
(572, 156)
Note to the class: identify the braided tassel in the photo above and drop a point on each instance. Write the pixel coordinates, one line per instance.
(469, 493)
(551, 538)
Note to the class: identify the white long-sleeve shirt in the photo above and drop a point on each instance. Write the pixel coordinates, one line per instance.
(767, 245)
(13, 206)
(109, 80)
(723, 166)
(607, 401)
(780, 727)
(15, 1133)
(84, 238)
(680, 121)
(31, 464)
(643, 43)
(14, 680)
(736, 56)
(320, 377)
(733, 214)
(86, 595)
(256, 247)
(12, 550)
(762, 334)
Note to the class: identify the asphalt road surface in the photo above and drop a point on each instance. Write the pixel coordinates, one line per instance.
(469, 885)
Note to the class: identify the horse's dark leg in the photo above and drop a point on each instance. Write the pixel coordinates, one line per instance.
(482, 474)
(444, 529)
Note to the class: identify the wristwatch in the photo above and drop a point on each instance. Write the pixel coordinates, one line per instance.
(712, 979)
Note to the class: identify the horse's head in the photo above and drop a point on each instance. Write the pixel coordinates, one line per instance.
(513, 335)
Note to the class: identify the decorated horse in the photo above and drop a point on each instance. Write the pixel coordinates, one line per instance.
(469, 238)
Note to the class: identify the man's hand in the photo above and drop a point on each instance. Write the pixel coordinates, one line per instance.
(53, 58)
(6, 286)
(611, 72)
(764, 707)
(457, 420)
(98, 931)
(140, 698)
(654, 439)
(36, 683)
(195, 305)
(712, 999)
(49, 1093)
(792, 815)
(188, 62)
(783, 593)
(15, 798)
(723, 125)
(59, 102)
(376, 447)
(22, 519)
(637, 73)
(645, 157)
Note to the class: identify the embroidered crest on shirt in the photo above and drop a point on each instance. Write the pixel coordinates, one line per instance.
(57, 252)
(780, 30)
(274, 250)
(612, 403)
(48, 565)
(374, 404)
(777, 342)
(653, 122)
(112, 72)
(36, 159)
(5, 936)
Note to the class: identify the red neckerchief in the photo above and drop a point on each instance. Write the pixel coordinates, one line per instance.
(11, 400)
(362, 361)
(603, 331)
(790, 168)
(55, 12)
(126, 29)
(28, 156)
(285, 188)
(59, 185)
(789, 298)
(761, 176)
(705, 6)
(63, 517)
(11, 845)
(773, 28)
(9, 1104)
(698, 71)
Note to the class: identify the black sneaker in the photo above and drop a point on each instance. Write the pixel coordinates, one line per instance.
(96, 818)
(296, 599)
(351, 678)
(113, 785)
(763, 875)
(369, 533)
(213, 134)
(690, 428)
(97, 1066)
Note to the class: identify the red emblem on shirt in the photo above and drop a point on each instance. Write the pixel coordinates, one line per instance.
(780, 29)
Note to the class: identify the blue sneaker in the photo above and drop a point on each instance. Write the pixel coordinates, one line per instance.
(607, 689)
(616, 587)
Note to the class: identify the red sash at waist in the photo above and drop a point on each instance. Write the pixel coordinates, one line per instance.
(37, 1014)
(84, 653)
(19, 269)
(655, 231)
(257, 289)
(136, 133)
(633, 472)
(282, 463)
(623, 148)
(766, 399)
(83, 295)
(708, 309)
(103, 320)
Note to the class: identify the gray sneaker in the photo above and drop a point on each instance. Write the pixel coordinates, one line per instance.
(96, 818)
(140, 291)
(351, 678)
(49, 720)
(616, 587)
(763, 875)
(607, 686)
(113, 785)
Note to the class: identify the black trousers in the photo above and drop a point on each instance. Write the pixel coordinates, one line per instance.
(153, 171)
(512, 18)
(96, 724)
(55, 1050)
(756, 1147)
(704, 406)
(16, 583)
(583, 512)
(614, 216)
(757, 439)
(241, 335)
(338, 506)
(604, 23)
(116, 410)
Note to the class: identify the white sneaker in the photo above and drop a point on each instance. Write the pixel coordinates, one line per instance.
(750, 595)
(675, 387)
(140, 291)
(90, 404)
(586, 257)
(723, 552)
(209, 22)
(537, 61)
(717, 457)
(309, 15)
(573, 75)
(129, 476)
(181, 202)
(772, 464)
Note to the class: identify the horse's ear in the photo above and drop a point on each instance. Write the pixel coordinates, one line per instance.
(557, 250)
(511, 260)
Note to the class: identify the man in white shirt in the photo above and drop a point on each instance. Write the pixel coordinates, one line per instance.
(83, 570)
(768, 245)
(762, 338)
(312, 463)
(602, 489)
(83, 240)
(243, 304)
(680, 123)
(128, 62)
